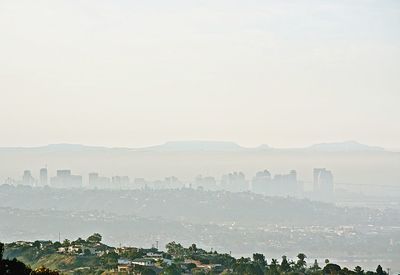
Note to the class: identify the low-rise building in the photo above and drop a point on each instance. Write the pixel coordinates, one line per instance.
(143, 262)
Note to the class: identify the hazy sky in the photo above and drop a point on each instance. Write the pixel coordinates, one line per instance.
(134, 73)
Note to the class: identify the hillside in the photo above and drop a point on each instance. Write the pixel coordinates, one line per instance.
(236, 222)
(91, 256)
(193, 205)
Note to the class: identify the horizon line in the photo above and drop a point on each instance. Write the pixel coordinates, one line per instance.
(266, 145)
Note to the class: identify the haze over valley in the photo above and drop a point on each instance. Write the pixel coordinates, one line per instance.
(232, 137)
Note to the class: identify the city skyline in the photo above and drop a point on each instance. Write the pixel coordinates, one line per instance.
(258, 129)
(354, 164)
(263, 182)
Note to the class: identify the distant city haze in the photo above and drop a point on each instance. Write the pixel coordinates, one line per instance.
(240, 126)
(139, 73)
(360, 168)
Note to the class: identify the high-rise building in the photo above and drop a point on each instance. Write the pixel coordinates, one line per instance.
(120, 182)
(323, 183)
(43, 177)
(234, 182)
(279, 185)
(63, 173)
(27, 178)
(99, 182)
(65, 179)
(171, 182)
(208, 183)
(286, 184)
(93, 178)
(261, 183)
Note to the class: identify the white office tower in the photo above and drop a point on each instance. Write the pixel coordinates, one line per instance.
(27, 178)
(43, 177)
(323, 184)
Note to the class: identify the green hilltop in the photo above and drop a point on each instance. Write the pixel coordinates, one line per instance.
(91, 256)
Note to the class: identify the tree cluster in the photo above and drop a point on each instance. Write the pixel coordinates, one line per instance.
(258, 264)
(16, 267)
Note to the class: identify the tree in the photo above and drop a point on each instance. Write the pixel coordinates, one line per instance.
(379, 270)
(301, 262)
(1, 251)
(347, 271)
(358, 270)
(95, 238)
(273, 267)
(285, 266)
(331, 269)
(109, 260)
(205, 261)
(193, 248)
(66, 242)
(175, 249)
(315, 266)
(44, 271)
(260, 259)
(148, 271)
(274, 263)
(171, 270)
(37, 244)
(14, 267)
(245, 267)
(57, 245)
(253, 269)
(78, 241)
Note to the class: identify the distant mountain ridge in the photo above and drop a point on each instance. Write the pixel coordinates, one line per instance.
(209, 146)
(347, 146)
(197, 145)
(350, 161)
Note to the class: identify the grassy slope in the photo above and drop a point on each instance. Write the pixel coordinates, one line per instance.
(54, 260)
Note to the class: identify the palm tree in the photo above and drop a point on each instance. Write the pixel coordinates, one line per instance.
(301, 262)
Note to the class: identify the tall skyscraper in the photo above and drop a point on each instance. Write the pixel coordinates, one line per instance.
(27, 178)
(65, 179)
(261, 183)
(99, 182)
(234, 182)
(43, 177)
(323, 183)
(93, 177)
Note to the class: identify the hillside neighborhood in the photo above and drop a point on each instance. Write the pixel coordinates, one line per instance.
(91, 256)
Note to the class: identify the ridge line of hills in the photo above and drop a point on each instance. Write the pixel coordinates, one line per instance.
(210, 146)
